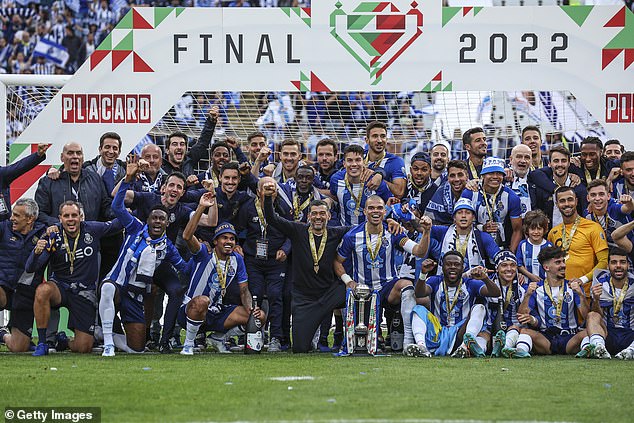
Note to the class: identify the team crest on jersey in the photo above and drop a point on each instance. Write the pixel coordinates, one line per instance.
(523, 207)
(376, 264)
(552, 312)
(462, 295)
(500, 206)
(13, 239)
(385, 242)
(351, 205)
(231, 271)
(567, 297)
(368, 192)
(254, 219)
(172, 218)
(88, 238)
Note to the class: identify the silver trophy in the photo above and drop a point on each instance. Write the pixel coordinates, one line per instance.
(362, 293)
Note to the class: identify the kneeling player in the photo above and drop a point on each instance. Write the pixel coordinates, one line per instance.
(550, 310)
(453, 316)
(609, 323)
(211, 274)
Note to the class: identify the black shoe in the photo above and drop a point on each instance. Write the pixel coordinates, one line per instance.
(151, 345)
(200, 341)
(166, 348)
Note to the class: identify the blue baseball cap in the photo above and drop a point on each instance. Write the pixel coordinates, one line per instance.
(225, 228)
(463, 203)
(422, 156)
(492, 164)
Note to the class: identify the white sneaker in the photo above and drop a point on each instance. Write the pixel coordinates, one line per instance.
(217, 345)
(108, 351)
(187, 350)
(416, 350)
(626, 354)
(601, 352)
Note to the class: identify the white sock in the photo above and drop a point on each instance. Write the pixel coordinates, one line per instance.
(597, 340)
(584, 342)
(191, 331)
(408, 301)
(631, 345)
(476, 320)
(106, 311)
(482, 342)
(235, 331)
(524, 342)
(511, 338)
(121, 342)
(419, 329)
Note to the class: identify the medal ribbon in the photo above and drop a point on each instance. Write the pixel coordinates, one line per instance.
(451, 305)
(297, 208)
(493, 207)
(222, 273)
(589, 177)
(565, 240)
(71, 254)
(416, 187)
(357, 200)
(618, 302)
(461, 247)
(377, 248)
(474, 171)
(377, 162)
(317, 254)
(263, 224)
(558, 304)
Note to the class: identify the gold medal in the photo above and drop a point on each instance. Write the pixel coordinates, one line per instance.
(297, 208)
(317, 252)
(617, 302)
(368, 244)
(263, 224)
(357, 199)
(222, 273)
(377, 162)
(560, 300)
(566, 240)
(71, 254)
(451, 304)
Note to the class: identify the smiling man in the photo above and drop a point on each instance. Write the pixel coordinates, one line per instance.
(441, 206)
(605, 210)
(377, 157)
(521, 165)
(583, 241)
(593, 164)
(74, 183)
(498, 208)
(420, 185)
(475, 142)
(532, 137)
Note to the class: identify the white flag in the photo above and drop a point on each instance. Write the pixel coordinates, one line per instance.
(52, 51)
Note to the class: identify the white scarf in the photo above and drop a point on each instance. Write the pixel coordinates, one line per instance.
(473, 257)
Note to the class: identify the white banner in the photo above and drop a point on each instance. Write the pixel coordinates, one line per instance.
(154, 55)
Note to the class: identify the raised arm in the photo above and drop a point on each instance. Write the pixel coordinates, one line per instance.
(490, 289)
(207, 200)
(619, 236)
(273, 219)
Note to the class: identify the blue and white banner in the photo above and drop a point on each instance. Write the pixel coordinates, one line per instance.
(52, 51)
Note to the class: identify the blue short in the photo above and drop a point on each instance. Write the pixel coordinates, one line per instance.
(22, 316)
(384, 293)
(131, 304)
(80, 301)
(558, 339)
(214, 320)
(619, 339)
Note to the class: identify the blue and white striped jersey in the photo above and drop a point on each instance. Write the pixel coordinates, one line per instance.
(510, 302)
(204, 275)
(466, 296)
(347, 204)
(625, 316)
(527, 253)
(374, 273)
(544, 309)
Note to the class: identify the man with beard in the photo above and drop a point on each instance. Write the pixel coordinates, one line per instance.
(556, 175)
(376, 157)
(299, 196)
(520, 162)
(609, 324)
(605, 210)
(145, 248)
(593, 164)
(256, 141)
(498, 210)
(582, 241)
(290, 156)
(351, 186)
(551, 311)
(441, 206)
(369, 253)
(72, 256)
(179, 159)
(613, 150)
(220, 154)
(476, 247)
(327, 163)
(228, 196)
(420, 185)
(212, 272)
(624, 184)
(532, 137)
(439, 159)
(316, 291)
(17, 288)
(455, 317)
(503, 309)
(475, 142)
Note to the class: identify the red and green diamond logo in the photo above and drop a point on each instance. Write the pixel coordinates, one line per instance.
(376, 33)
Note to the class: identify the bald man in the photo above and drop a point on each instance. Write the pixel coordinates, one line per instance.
(517, 177)
(74, 183)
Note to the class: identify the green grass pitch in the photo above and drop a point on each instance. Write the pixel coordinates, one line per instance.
(223, 387)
